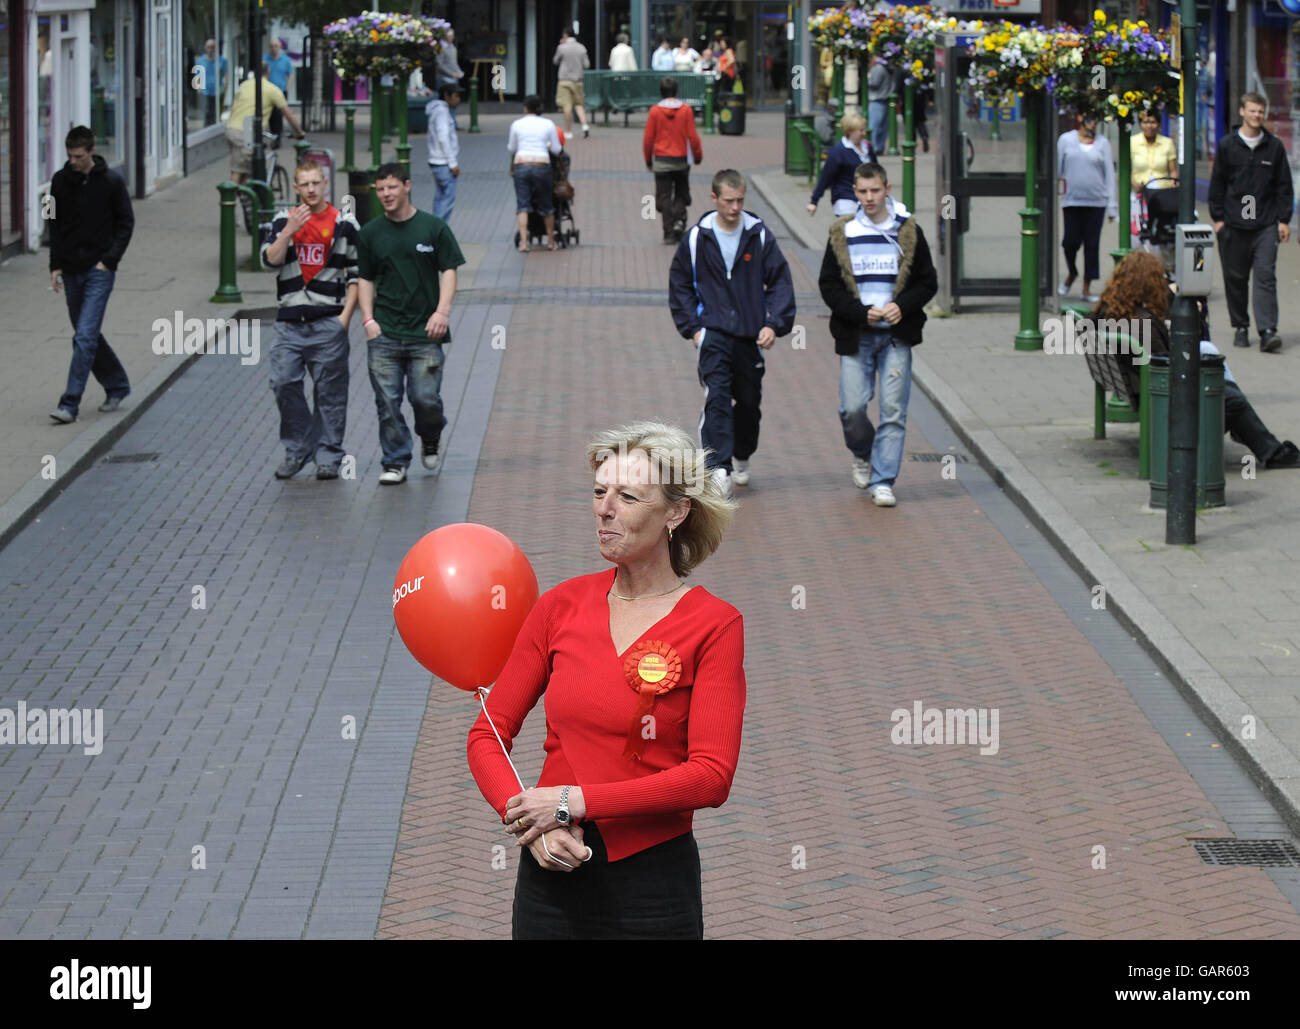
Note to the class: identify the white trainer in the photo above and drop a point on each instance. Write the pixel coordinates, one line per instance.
(392, 477)
(883, 496)
(861, 473)
(723, 479)
(739, 472)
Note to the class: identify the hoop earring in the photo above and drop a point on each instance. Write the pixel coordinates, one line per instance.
(670, 534)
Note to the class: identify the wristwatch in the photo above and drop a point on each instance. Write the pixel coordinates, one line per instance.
(562, 812)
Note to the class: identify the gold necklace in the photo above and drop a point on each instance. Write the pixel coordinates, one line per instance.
(652, 596)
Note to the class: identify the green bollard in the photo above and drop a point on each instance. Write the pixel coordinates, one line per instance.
(385, 111)
(300, 148)
(349, 136)
(893, 126)
(1122, 187)
(473, 104)
(227, 289)
(708, 106)
(263, 206)
(837, 84)
(404, 157)
(909, 147)
(1030, 336)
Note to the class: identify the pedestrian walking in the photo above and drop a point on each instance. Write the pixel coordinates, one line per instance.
(876, 277)
(314, 246)
(614, 857)
(1250, 200)
(728, 68)
(242, 110)
(826, 122)
(879, 83)
(406, 267)
(1087, 172)
(532, 142)
(90, 229)
(622, 57)
(841, 162)
(279, 69)
(685, 56)
(662, 58)
(444, 148)
(571, 58)
(447, 68)
(214, 70)
(731, 294)
(670, 145)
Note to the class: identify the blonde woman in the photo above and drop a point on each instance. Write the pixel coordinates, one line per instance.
(842, 160)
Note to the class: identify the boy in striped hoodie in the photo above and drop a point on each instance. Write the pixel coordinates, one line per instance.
(314, 246)
(877, 276)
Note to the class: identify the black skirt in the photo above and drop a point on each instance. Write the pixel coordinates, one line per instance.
(652, 895)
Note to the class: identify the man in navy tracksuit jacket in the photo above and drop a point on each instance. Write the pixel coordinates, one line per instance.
(730, 292)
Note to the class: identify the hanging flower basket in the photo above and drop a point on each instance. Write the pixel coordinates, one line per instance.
(377, 43)
(1115, 69)
(1009, 61)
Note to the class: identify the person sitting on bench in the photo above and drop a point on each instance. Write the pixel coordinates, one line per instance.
(1139, 289)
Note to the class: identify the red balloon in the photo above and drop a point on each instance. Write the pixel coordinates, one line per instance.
(461, 594)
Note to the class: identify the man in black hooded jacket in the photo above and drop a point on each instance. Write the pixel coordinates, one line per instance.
(90, 228)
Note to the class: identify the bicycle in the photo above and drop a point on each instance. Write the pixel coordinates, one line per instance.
(277, 177)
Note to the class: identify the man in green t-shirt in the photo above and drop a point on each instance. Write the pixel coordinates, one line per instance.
(406, 266)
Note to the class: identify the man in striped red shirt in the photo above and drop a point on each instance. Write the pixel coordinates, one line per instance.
(314, 246)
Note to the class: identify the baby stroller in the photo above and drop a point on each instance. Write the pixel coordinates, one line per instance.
(562, 203)
(1157, 218)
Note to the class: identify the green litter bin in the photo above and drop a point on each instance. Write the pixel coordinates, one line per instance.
(1209, 443)
(796, 153)
(731, 114)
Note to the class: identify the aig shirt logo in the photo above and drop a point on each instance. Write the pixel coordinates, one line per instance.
(311, 253)
(424, 248)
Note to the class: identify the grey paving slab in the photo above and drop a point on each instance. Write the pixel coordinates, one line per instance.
(222, 724)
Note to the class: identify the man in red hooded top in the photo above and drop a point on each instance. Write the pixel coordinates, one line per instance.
(669, 132)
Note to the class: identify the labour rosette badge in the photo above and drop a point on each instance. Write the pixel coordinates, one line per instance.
(650, 668)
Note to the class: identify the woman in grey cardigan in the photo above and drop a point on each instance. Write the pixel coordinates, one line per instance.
(1087, 173)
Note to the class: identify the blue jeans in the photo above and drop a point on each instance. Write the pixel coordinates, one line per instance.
(878, 112)
(320, 348)
(533, 189)
(87, 294)
(444, 196)
(416, 367)
(877, 352)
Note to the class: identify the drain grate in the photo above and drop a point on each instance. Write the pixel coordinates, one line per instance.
(131, 458)
(1260, 853)
(960, 458)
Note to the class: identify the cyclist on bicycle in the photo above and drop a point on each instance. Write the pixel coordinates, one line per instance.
(242, 109)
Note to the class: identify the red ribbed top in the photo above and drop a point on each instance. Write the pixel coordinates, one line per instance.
(564, 652)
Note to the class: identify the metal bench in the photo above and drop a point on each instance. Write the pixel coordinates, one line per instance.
(623, 92)
(1108, 373)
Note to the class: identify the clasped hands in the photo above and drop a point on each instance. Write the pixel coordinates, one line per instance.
(530, 818)
(889, 314)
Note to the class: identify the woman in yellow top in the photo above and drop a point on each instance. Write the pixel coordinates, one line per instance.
(1153, 155)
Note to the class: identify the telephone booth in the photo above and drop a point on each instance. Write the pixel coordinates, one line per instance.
(980, 184)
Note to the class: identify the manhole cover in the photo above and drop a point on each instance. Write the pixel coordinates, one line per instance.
(1260, 853)
(130, 458)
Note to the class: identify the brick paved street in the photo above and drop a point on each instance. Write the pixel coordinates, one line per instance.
(223, 724)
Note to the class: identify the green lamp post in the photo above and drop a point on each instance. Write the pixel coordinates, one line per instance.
(1030, 336)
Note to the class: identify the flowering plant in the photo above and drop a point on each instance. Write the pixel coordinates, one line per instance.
(383, 43)
(1112, 69)
(1009, 60)
(922, 38)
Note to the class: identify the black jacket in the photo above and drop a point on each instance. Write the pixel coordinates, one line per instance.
(916, 285)
(1240, 172)
(92, 219)
(757, 293)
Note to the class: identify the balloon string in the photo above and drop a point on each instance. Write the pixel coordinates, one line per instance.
(481, 693)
